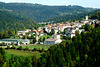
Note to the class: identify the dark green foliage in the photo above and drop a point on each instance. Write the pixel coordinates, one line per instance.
(83, 51)
(35, 49)
(26, 48)
(41, 12)
(9, 21)
(8, 47)
(34, 40)
(2, 57)
(20, 61)
(20, 48)
(7, 34)
(43, 39)
(87, 27)
(96, 15)
(71, 18)
(2, 44)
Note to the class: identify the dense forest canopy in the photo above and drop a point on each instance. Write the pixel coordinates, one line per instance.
(9, 21)
(79, 17)
(40, 12)
(96, 15)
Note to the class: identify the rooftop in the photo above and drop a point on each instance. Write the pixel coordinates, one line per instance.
(15, 40)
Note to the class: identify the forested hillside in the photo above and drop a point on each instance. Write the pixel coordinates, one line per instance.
(96, 15)
(9, 21)
(39, 12)
(81, 16)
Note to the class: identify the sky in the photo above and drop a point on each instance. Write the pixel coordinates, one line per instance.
(84, 3)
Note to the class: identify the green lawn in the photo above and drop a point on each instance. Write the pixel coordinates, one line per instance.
(45, 36)
(22, 53)
(46, 47)
(14, 37)
(26, 53)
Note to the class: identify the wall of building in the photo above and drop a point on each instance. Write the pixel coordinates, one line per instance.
(49, 42)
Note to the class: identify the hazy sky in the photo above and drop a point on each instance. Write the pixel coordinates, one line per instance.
(84, 3)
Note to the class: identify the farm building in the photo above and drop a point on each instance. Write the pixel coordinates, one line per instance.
(15, 41)
(54, 40)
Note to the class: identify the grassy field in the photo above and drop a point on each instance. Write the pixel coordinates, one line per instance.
(22, 53)
(45, 36)
(26, 53)
(46, 47)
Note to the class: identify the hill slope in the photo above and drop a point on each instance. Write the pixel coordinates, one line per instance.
(8, 21)
(96, 15)
(39, 12)
(92, 15)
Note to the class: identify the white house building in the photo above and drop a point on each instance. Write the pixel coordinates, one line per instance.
(23, 32)
(70, 32)
(54, 40)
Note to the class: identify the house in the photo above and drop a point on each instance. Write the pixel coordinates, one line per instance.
(49, 30)
(21, 32)
(60, 28)
(34, 31)
(76, 28)
(69, 30)
(27, 30)
(56, 30)
(40, 28)
(15, 41)
(56, 36)
(79, 25)
(48, 25)
(54, 40)
(41, 34)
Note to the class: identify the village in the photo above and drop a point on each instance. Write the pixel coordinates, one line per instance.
(52, 32)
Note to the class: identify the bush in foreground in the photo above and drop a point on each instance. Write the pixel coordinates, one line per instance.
(8, 47)
(20, 48)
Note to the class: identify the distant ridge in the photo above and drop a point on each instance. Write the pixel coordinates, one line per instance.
(40, 12)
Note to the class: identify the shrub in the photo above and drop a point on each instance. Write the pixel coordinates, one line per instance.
(35, 49)
(26, 48)
(42, 50)
(8, 47)
(2, 44)
(19, 48)
(13, 47)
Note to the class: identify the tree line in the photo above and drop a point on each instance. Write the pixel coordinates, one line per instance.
(40, 12)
